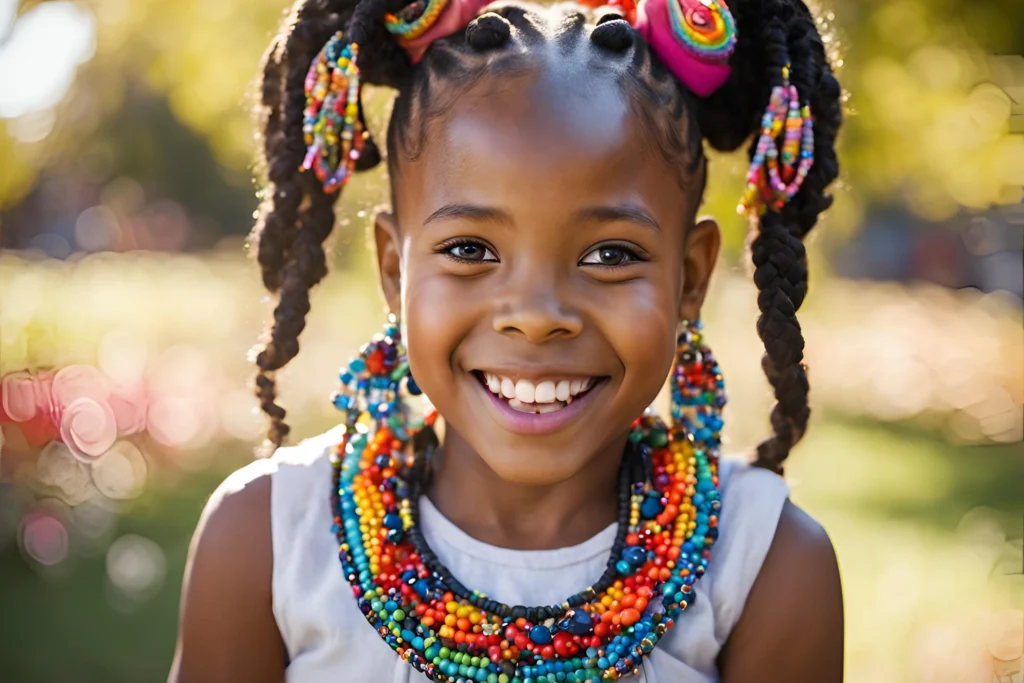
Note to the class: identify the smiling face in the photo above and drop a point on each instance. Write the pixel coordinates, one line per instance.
(541, 256)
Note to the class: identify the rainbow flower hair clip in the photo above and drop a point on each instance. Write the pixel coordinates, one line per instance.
(693, 38)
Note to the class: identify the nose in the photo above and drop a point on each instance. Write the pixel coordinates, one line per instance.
(536, 311)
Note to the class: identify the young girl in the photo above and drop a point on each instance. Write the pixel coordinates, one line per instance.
(545, 269)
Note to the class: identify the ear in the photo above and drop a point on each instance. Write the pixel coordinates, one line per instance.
(389, 260)
(702, 246)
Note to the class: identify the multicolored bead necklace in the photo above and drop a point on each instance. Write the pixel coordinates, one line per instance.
(669, 510)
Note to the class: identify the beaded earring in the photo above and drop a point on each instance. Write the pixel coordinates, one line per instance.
(768, 186)
(668, 521)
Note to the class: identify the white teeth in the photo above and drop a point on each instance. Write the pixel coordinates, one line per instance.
(545, 392)
(534, 408)
(516, 404)
(562, 392)
(525, 391)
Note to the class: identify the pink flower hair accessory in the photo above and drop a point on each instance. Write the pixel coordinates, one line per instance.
(693, 39)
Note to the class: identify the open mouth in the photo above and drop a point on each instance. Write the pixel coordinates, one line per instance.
(537, 397)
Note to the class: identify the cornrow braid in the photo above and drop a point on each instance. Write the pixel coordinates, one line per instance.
(772, 33)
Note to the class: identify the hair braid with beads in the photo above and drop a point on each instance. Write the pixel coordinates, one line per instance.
(297, 216)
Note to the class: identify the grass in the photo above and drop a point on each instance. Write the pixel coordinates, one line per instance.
(927, 534)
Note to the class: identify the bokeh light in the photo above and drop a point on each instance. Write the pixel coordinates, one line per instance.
(136, 566)
(44, 539)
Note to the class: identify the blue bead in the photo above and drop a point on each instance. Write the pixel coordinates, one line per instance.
(540, 635)
(635, 555)
(357, 365)
(393, 520)
(623, 567)
(580, 624)
(650, 508)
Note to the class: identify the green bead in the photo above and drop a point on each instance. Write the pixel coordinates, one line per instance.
(445, 653)
(399, 614)
(657, 439)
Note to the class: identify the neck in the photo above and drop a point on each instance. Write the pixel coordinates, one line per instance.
(524, 517)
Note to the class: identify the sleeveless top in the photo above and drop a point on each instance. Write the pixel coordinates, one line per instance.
(329, 640)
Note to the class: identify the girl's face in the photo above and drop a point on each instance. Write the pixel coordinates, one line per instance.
(540, 248)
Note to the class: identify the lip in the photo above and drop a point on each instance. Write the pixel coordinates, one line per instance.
(543, 423)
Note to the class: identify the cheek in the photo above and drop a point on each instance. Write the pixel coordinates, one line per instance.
(639, 321)
(436, 319)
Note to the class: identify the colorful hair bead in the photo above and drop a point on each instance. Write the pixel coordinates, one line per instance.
(776, 174)
(705, 28)
(425, 16)
(333, 132)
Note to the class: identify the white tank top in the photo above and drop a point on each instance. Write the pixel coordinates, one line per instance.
(328, 639)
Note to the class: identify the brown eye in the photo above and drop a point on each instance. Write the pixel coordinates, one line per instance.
(609, 255)
(470, 251)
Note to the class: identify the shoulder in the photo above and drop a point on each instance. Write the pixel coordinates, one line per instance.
(227, 607)
(792, 622)
(226, 594)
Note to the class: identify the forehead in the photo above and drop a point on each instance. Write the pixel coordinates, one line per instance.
(549, 140)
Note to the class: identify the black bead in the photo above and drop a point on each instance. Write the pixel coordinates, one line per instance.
(518, 612)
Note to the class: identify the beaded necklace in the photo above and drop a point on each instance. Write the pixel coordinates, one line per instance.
(668, 518)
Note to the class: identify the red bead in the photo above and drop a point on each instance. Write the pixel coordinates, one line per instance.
(563, 644)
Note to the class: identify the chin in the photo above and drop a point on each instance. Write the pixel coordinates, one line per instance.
(538, 465)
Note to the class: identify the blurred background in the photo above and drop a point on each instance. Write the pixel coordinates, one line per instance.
(128, 308)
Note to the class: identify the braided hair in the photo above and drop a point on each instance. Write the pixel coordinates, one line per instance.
(296, 215)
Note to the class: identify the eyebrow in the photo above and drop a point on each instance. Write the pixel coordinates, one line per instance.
(469, 211)
(600, 214)
(624, 212)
